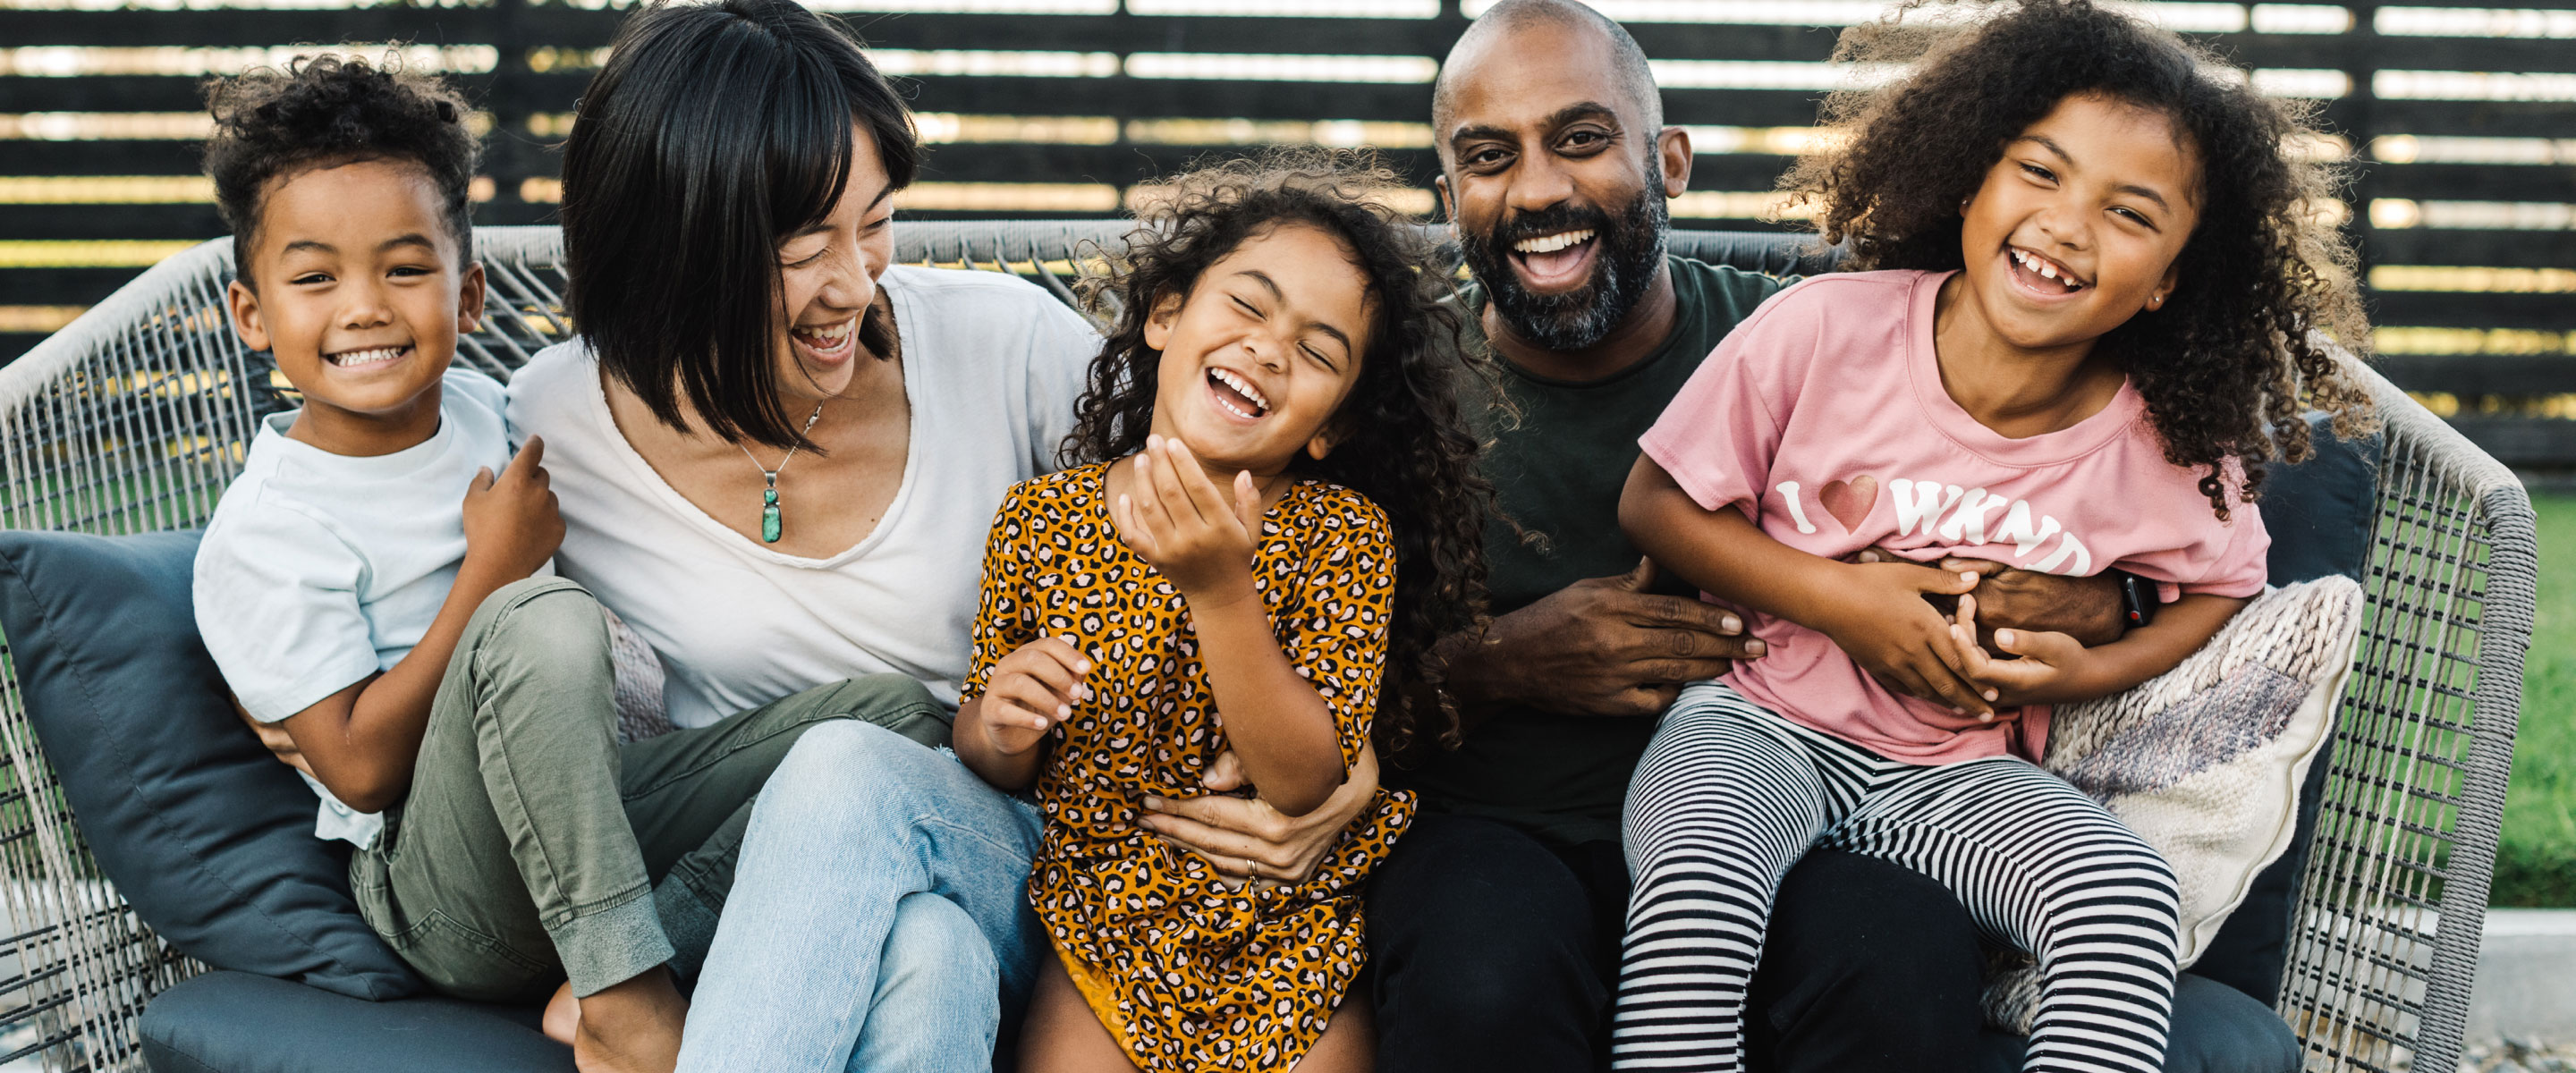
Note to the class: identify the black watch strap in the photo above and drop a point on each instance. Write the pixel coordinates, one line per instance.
(2137, 600)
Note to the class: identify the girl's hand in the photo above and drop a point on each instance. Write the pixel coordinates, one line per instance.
(1883, 622)
(1179, 521)
(2053, 667)
(1030, 691)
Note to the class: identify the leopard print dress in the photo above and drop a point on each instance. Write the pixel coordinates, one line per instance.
(1188, 970)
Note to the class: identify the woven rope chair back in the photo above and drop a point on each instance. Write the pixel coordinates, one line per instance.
(135, 417)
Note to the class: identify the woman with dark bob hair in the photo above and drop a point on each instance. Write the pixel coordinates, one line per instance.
(778, 454)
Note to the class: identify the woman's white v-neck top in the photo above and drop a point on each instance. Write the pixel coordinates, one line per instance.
(991, 366)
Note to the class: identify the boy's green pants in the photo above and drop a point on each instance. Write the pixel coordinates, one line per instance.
(532, 847)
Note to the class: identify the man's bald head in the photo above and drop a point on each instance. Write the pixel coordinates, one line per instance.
(1635, 78)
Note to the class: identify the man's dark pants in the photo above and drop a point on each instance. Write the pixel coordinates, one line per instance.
(1492, 952)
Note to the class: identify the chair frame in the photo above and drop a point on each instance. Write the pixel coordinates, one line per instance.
(135, 417)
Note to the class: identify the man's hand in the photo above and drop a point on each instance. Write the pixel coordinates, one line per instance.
(2086, 609)
(276, 739)
(1244, 837)
(1602, 646)
(511, 524)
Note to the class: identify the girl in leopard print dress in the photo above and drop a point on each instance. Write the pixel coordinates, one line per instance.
(1279, 515)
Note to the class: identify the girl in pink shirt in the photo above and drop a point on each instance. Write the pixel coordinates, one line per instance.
(2093, 319)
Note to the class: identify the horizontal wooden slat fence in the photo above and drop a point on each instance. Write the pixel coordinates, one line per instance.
(2461, 118)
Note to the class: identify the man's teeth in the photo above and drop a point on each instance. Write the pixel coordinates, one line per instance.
(1552, 243)
(2045, 270)
(367, 357)
(1244, 388)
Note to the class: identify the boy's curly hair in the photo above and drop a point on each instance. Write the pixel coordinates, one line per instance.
(327, 110)
(1403, 441)
(2265, 290)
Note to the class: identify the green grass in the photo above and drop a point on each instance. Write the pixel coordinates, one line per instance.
(2536, 864)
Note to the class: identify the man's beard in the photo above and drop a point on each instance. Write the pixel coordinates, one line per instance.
(1632, 247)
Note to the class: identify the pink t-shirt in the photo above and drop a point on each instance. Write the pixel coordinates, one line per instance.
(1823, 418)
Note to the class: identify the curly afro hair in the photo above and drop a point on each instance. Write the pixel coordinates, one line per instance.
(1403, 440)
(322, 111)
(2265, 288)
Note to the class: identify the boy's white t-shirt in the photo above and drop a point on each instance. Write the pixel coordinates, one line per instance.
(319, 569)
(991, 367)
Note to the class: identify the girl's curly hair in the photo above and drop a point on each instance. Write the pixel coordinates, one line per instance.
(325, 110)
(1403, 441)
(2265, 290)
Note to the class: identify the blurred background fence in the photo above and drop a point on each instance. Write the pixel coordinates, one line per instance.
(2461, 120)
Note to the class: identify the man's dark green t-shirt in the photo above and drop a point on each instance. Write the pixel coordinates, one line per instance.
(1559, 472)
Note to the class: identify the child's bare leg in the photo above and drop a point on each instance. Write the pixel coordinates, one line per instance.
(1061, 1034)
(1349, 1042)
(631, 1027)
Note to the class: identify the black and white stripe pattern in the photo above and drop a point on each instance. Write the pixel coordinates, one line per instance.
(1730, 795)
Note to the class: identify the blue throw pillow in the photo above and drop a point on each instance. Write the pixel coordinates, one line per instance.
(201, 829)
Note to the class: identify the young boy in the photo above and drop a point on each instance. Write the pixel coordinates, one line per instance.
(454, 713)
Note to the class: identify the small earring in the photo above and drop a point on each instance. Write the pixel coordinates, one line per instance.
(2156, 301)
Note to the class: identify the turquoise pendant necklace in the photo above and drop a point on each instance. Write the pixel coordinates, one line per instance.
(770, 522)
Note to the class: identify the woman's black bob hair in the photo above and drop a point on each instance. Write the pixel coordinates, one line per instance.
(713, 132)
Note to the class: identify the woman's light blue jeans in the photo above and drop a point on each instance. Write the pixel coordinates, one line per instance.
(878, 920)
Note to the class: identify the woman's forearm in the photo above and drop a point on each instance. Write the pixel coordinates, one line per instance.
(1278, 726)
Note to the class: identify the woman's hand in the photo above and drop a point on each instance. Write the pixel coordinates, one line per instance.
(1245, 837)
(1029, 692)
(1177, 519)
(1881, 619)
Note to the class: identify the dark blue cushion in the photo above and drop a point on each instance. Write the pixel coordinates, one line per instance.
(200, 828)
(2318, 513)
(230, 1022)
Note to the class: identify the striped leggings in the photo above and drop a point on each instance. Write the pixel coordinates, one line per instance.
(1730, 795)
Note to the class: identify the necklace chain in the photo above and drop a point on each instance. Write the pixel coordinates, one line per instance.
(771, 524)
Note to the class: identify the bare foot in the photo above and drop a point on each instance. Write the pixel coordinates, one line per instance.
(563, 1015)
(630, 1027)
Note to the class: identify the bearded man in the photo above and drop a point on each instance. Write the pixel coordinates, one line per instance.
(1495, 927)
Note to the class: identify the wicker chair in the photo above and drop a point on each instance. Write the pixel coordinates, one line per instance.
(135, 417)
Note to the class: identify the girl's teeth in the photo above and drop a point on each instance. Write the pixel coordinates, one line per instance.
(1243, 387)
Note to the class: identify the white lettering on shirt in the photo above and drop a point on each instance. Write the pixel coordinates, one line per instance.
(1789, 490)
(1969, 521)
(1919, 503)
(2016, 528)
(1960, 515)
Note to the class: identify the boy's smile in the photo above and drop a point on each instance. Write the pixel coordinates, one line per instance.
(1260, 354)
(353, 285)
